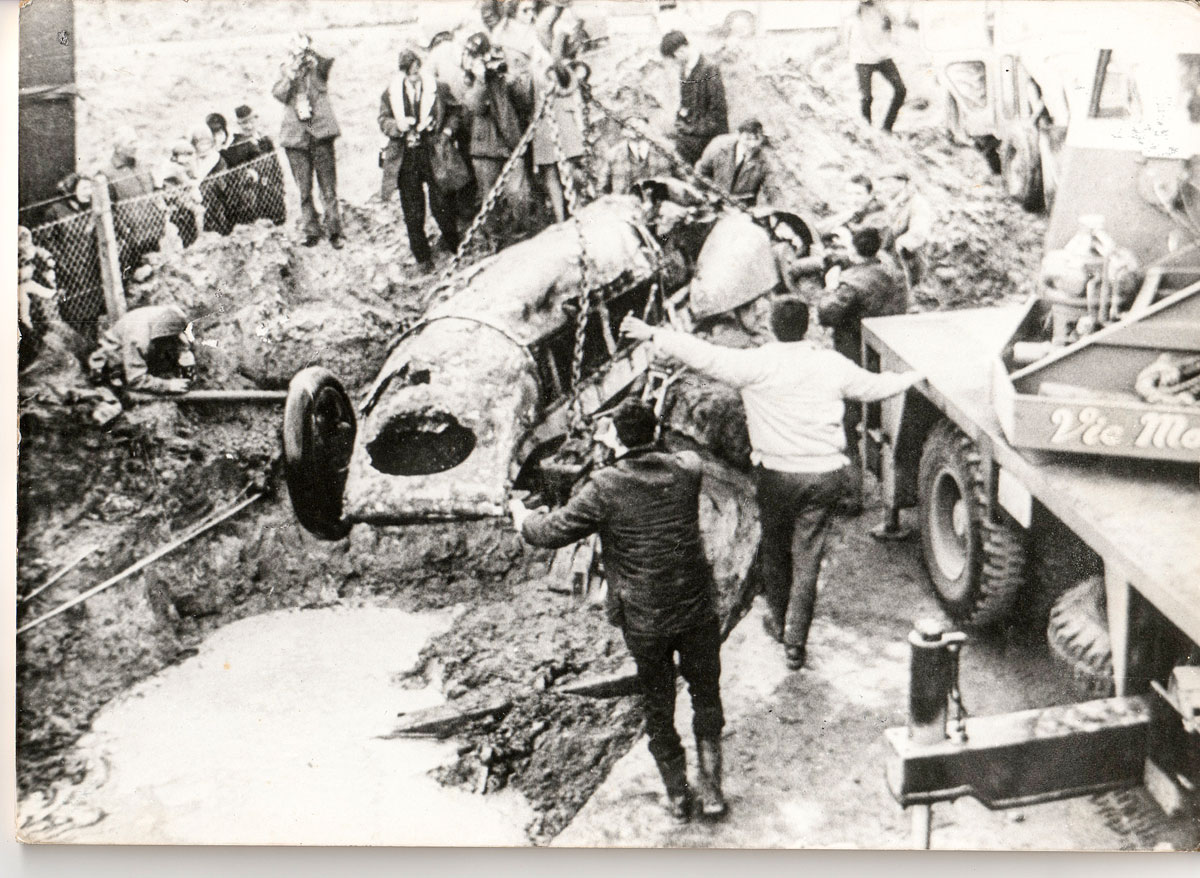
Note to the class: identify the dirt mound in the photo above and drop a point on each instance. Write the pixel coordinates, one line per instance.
(265, 306)
(556, 749)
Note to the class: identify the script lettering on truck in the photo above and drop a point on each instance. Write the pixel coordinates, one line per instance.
(1092, 427)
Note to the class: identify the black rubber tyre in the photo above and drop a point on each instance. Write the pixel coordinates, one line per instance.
(1078, 636)
(1021, 170)
(318, 436)
(976, 566)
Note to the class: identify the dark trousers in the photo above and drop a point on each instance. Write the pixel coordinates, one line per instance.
(699, 651)
(416, 173)
(794, 512)
(317, 157)
(887, 68)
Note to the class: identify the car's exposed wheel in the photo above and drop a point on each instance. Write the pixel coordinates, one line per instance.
(318, 436)
(1078, 635)
(1021, 169)
(975, 565)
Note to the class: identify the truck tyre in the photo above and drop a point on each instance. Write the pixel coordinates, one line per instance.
(976, 566)
(318, 436)
(1078, 636)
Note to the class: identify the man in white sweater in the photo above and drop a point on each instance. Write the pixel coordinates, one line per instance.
(793, 393)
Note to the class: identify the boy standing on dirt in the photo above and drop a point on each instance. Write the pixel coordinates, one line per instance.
(793, 394)
(645, 506)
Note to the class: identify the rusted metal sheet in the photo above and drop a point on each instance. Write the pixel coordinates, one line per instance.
(735, 266)
(1026, 757)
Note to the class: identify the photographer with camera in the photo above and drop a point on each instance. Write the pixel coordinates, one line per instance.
(307, 135)
(492, 99)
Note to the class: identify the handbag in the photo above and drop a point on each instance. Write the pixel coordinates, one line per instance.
(450, 171)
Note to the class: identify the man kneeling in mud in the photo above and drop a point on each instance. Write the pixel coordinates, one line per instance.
(645, 506)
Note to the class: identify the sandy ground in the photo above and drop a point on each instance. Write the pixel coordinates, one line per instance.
(272, 735)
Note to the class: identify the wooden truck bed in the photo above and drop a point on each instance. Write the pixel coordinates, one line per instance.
(1142, 517)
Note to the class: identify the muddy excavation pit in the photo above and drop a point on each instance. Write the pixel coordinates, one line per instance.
(266, 307)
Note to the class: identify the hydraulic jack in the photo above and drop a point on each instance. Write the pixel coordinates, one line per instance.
(1006, 760)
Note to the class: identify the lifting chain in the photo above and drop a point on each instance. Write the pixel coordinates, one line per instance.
(489, 202)
(582, 73)
(585, 293)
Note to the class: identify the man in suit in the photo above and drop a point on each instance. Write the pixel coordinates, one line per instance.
(412, 112)
(307, 135)
(735, 163)
(702, 112)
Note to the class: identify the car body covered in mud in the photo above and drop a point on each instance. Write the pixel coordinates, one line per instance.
(487, 380)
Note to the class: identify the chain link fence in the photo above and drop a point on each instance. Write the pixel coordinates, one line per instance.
(72, 242)
(182, 208)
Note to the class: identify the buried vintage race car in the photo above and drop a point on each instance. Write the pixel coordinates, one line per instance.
(484, 384)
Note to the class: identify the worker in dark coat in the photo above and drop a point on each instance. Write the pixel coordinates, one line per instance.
(702, 112)
(148, 349)
(865, 288)
(793, 393)
(413, 111)
(307, 135)
(645, 507)
(735, 163)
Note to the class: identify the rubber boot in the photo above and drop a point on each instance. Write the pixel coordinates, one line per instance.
(712, 800)
(679, 794)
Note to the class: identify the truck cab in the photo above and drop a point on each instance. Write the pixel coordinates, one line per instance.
(1011, 74)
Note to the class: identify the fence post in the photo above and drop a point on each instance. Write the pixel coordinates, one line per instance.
(110, 252)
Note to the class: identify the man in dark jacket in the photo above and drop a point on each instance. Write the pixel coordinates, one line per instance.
(413, 112)
(645, 507)
(866, 288)
(702, 111)
(735, 163)
(307, 135)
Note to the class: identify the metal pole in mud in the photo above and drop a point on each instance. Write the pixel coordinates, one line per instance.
(57, 576)
(922, 826)
(261, 396)
(145, 562)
